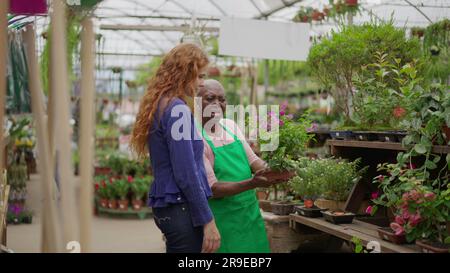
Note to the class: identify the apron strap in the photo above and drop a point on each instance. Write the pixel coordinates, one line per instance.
(211, 143)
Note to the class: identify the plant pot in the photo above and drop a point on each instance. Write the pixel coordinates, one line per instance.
(308, 203)
(343, 135)
(104, 203)
(446, 131)
(391, 136)
(123, 205)
(262, 194)
(112, 203)
(387, 234)
(102, 170)
(137, 204)
(27, 219)
(433, 247)
(364, 136)
(313, 212)
(265, 205)
(279, 176)
(338, 217)
(330, 204)
(351, 3)
(282, 208)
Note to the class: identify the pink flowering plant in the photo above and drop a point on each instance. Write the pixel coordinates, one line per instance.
(293, 138)
(420, 211)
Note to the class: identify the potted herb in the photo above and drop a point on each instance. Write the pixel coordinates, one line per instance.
(337, 178)
(122, 187)
(305, 185)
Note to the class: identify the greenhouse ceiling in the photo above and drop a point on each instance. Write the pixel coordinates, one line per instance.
(134, 30)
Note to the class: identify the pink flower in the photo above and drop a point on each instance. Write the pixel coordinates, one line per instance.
(405, 214)
(130, 179)
(411, 166)
(281, 122)
(399, 230)
(415, 219)
(375, 195)
(283, 106)
(282, 113)
(399, 220)
(430, 195)
(405, 196)
(399, 112)
(369, 210)
(415, 195)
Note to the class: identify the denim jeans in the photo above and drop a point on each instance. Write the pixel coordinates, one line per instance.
(175, 223)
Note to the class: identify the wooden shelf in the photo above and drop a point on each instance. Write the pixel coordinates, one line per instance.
(380, 145)
(364, 231)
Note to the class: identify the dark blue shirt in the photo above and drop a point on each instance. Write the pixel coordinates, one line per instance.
(178, 168)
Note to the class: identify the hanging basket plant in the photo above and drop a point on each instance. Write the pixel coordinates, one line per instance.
(213, 71)
(351, 3)
(418, 32)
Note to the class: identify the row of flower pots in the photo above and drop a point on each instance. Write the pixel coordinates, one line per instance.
(116, 192)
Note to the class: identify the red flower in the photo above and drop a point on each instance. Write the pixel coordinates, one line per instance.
(415, 219)
(411, 166)
(375, 195)
(399, 112)
(369, 210)
(130, 179)
(103, 184)
(282, 113)
(97, 186)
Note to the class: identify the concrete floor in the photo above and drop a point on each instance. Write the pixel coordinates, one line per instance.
(108, 235)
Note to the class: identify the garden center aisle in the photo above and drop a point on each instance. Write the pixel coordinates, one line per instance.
(108, 235)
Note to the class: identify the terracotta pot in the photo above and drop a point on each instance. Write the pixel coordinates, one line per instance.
(309, 203)
(137, 204)
(265, 205)
(123, 205)
(330, 204)
(262, 194)
(102, 170)
(432, 247)
(112, 203)
(351, 3)
(279, 176)
(104, 203)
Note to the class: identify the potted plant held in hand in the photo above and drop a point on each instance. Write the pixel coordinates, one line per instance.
(293, 138)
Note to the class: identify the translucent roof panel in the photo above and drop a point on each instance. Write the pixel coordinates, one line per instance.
(135, 30)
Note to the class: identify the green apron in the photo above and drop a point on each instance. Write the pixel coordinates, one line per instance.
(237, 217)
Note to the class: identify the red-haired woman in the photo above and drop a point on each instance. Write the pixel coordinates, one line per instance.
(165, 128)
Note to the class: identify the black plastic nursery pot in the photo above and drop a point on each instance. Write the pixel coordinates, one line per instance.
(343, 135)
(314, 212)
(391, 136)
(336, 217)
(364, 135)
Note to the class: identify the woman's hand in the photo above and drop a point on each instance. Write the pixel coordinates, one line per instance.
(211, 237)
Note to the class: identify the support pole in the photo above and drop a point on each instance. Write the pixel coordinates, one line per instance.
(50, 224)
(4, 5)
(87, 131)
(62, 139)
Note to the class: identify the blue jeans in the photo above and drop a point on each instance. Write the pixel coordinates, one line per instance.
(175, 223)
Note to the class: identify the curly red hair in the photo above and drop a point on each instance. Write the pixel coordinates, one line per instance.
(176, 77)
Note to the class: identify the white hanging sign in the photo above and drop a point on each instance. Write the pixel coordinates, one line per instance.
(264, 39)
